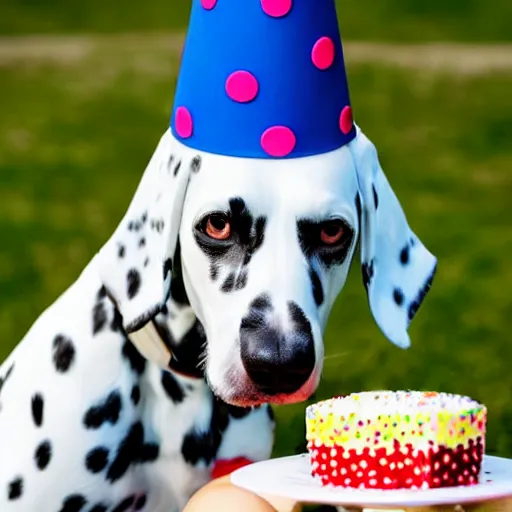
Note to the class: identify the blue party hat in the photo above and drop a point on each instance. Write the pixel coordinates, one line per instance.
(263, 79)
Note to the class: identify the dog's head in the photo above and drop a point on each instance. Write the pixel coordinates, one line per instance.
(266, 246)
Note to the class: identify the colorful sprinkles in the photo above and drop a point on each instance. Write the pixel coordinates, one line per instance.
(391, 440)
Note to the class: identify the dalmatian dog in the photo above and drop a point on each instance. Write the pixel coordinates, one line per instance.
(157, 366)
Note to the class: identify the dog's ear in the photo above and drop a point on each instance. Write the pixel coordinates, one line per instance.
(397, 268)
(135, 265)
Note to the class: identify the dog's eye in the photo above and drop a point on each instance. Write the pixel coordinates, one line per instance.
(218, 226)
(331, 232)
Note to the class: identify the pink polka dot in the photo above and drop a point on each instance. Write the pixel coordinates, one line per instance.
(323, 53)
(346, 120)
(183, 122)
(242, 86)
(276, 8)
(278, 141)
(208, 4)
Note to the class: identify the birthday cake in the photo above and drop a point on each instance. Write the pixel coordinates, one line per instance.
(396, 440)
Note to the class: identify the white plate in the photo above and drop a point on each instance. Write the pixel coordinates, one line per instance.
(290, 477)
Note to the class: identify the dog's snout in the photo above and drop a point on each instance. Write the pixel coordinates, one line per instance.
(276, 361)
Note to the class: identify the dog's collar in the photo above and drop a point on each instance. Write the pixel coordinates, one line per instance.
(153, 344)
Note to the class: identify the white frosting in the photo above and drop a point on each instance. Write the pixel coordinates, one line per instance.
(373, 403)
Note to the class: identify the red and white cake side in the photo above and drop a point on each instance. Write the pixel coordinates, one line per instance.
(396, 440)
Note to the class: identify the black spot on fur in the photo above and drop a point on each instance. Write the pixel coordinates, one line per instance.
(117, 321)
(127, 452)
(318, 292)
(144, 217)
(157, 225)
(220, 417)
(172, 387)
(398, 296)
(359, 207)
(195, 165)
(97, 459)
(169, 163)
(102, 293)
(203, 446)
(99, 508)
(142, 242)
(416, 303)
(148, 453)
(131, 450)
(146, 262)
(99, 318)
(121, 251)
(125, 504)
(309, 234)
(368, 273)
(37, 409)
(229, 283)
(73, 503)
(15, 489)
(106, 411)
(133, 283)
(375, 197)
(135, 394)
(141, 502)
(63, 353)
(43, 455)
(131, 225)
(241, 280)
(134, 357)
(404, 255)
(214, 272)
(259, 235)
(177, 168)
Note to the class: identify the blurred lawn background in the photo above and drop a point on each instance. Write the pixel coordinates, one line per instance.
(80, 118)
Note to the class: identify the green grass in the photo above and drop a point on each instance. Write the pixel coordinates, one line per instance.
(76, 135)
(398, 20)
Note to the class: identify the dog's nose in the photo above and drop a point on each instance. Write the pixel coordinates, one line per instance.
(276, 361)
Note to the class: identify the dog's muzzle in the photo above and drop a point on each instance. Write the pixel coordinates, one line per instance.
(277, 362)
